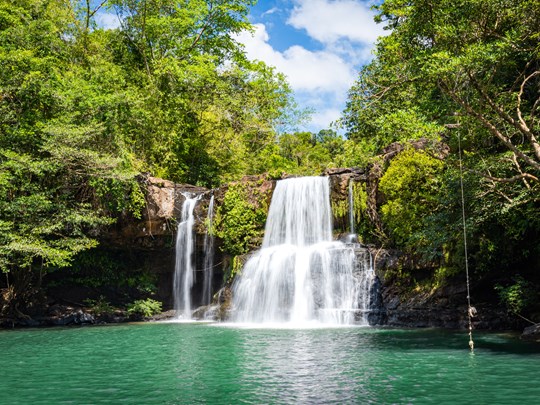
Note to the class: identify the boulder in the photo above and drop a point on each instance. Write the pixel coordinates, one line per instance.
(75, 318)
(531, 333)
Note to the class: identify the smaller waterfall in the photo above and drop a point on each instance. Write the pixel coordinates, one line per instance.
(184, 271)
(351, 207)
(208, 255)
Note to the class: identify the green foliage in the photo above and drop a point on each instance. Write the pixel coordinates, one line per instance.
(340, 212)
(410, 185)
(100, 268)
(120, 195)
(147, 307)
(466, 69)
(83, 109)
(41, 219)
(100, 306)
(308, 154)
(360, 200)
(236, 268)
(240, 219)
(519, 296)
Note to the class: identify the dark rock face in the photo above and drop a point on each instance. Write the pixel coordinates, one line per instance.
(339, 182)
(152, 238)
(149, 242)
(75, 318)
(441, 149)
(164, 200)
(378, 314)
(340, 179)
(532, 333)
(441, 307)
(445, 307)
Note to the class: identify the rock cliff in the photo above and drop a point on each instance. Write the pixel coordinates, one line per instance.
(149, 242)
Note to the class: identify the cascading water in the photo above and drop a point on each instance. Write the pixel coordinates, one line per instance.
(184, 272)
(300, 275)
(351, 207)
(208, 256)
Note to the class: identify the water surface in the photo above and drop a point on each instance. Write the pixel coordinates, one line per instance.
(202, 363)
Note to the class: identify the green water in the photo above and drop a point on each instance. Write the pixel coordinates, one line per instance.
(188, 363)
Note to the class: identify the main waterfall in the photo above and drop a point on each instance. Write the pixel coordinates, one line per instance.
(300, 275)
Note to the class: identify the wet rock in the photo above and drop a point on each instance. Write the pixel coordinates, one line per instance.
(157, 225)
(340, 179)
(163, 316)
(223, 303)
(207, 313)
(30, 322)
(355, 171)
(532, 333)
(75, 318)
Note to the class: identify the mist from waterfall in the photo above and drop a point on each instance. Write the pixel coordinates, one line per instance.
(184, 271)
(300, 275)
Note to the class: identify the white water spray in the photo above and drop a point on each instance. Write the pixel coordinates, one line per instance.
(184, 271)
(300, 275)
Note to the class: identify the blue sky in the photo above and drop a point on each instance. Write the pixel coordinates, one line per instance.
(319, 45)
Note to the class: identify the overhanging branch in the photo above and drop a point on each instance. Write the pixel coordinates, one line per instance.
(492, 128)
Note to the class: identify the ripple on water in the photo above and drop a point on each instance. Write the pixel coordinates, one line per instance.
(177, 363)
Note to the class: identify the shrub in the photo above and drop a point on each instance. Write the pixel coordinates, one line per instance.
(146, 307)
(100, 306)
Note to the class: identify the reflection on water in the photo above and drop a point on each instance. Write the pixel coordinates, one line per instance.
(201, 363)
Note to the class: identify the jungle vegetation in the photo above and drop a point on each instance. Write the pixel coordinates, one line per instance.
(84, 109)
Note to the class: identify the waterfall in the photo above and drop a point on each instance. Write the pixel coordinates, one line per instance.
(300, 275)
(184, 272)
(351, 207)
(208, 255)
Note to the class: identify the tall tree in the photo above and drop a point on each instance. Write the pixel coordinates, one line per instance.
(83, 109)
(466, 72)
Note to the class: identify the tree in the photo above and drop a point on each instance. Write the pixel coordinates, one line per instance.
(83, 109)
(410, 185)
(49, 152)
(467, 73)
(471, 63)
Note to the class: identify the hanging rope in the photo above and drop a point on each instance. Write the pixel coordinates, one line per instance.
(471, 311)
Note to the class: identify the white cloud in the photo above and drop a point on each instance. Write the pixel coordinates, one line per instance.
(271, 11)
(306, 70)
(330, 21)
(324, 118)
(107, 21)
(322, 77)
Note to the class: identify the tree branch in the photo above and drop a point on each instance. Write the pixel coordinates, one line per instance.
(516, 163)
(521, 176)
(520, 126)
(522, 87)
(98, 8)
(492, 128)
(512, 179)
(203, 29)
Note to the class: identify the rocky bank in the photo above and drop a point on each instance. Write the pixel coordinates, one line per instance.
(147, 244)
